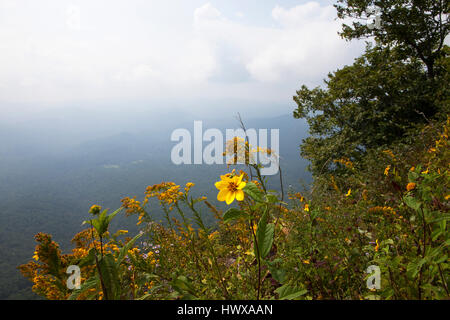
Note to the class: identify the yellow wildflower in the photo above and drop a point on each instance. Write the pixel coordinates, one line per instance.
(410, 186)
(390, 153)
(349, 193)
(230, 188)
(95, 209)
(213, 235)
(306, 207)
(189, 185)
(377, 246)
(386, 171)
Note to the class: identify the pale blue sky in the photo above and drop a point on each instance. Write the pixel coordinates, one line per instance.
(60, 53)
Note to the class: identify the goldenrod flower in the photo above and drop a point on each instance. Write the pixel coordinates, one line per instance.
(95, 209)
(230, 188)
(410, 186)
(213, 235)
(189, 185)
(390, 153)
(378, 209)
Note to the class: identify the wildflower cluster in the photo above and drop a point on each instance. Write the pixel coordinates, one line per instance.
(391, 213)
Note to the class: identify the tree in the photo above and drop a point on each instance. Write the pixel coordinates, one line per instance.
(417, 27)
(369, 104)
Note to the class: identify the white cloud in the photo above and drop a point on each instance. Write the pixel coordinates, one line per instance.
(206, 12)
(305, 44)
(106, 50)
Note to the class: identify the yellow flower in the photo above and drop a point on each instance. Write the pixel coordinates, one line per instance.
(189, 185)
(410, 186)
(425, 172)
(36, 256)
(386, 171)
(306, 207)
(349, 193)
(305, 261)
(230, 188)
(95, 209)
(377, 246)
(390, 153)
(213, 235)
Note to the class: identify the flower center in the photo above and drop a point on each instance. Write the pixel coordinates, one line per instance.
(232, 187)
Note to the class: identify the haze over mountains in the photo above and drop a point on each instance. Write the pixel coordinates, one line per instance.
(55, 165)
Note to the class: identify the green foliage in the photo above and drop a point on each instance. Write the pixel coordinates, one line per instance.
(417, 27)
(371, 103)
(379, 151)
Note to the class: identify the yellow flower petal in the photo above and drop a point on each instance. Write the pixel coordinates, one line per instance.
(230, 197)
(241, 185)
(222, 195)
(240, 195)
(225, 177)
(221, 185)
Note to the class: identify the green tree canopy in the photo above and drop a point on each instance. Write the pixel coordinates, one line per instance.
(366, 105)
(417, 27)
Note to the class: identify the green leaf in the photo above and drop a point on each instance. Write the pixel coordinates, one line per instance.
(110, 276)
(412, 202)
(88, 284)
(278, 274)
(271, 198)
(254, 192)
(182, 285)
(234, 214)
(125, 248)
(286, 292)
(104, 220)
(112, 215)
(264, 236)
(412, 176)
(89, 259)
(413, 268)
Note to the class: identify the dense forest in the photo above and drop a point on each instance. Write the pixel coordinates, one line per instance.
(377, 150)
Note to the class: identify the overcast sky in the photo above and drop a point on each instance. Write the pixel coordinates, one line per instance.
(59, 53)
